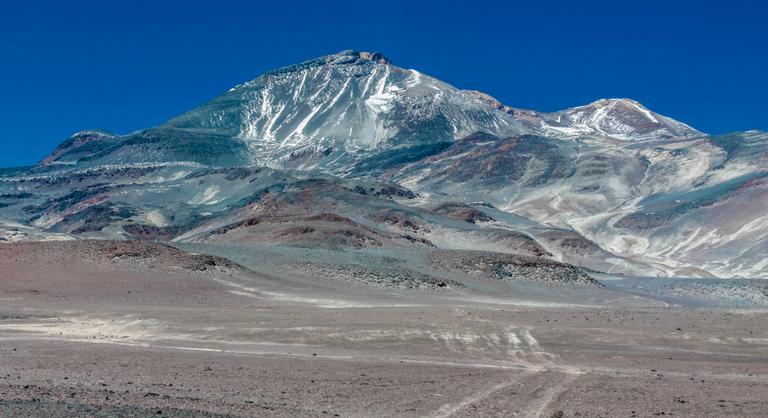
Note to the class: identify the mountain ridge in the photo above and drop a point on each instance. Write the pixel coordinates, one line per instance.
(357, 152)
(332, 108)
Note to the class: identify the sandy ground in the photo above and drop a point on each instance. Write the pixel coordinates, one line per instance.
(94, 331)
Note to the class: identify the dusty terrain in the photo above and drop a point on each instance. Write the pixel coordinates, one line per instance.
(133, 329)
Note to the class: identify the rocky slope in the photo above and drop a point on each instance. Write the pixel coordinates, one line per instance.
(349, 151)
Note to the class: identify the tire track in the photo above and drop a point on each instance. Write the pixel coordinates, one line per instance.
(540, 404)
(448, 410)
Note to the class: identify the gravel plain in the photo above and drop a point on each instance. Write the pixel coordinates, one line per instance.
(105, 329)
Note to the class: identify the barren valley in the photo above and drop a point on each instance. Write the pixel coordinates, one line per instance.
(104, 328)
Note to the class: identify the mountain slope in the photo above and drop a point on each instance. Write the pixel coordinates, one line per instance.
(351, 151)
(686, 206)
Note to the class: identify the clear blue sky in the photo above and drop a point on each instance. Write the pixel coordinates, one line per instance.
(128, 65)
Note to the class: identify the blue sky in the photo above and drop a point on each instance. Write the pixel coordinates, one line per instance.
(128, 65)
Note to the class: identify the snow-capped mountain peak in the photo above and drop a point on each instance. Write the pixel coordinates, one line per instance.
(343, 104)
(622, 118)
(340, 110)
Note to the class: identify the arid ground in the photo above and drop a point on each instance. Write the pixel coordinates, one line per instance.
(102, 329)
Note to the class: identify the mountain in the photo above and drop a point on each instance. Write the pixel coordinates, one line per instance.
(329, 112)
(618, 118)
(350, 152)
(351, 112)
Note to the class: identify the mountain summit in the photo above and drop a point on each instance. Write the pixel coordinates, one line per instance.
(342, 105)
(351, 108)
(618, 118)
